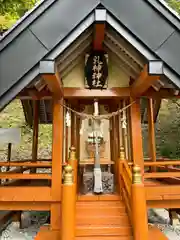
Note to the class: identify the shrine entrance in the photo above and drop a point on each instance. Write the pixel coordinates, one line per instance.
(102, 128)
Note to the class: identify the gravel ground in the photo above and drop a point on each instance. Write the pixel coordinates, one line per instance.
(160, 218)
(157, 217)
(15, 233)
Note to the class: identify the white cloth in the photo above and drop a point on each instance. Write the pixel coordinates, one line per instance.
(98, 180)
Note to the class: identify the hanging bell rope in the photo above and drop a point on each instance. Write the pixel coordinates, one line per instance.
(98, 117)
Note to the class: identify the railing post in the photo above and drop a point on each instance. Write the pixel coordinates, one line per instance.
(68, 206)
(139, 208)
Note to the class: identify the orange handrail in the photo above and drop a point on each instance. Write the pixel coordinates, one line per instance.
(26, 164)
(162, 175)
(125, 184)
(133, 193)
(26, 176)
(161, 163)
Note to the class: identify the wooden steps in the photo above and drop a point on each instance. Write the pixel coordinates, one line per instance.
(102, 220)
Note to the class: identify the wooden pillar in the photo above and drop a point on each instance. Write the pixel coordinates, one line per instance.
(78, 124)
(66, 141)
(117, 135)
(136, 134)
(121, 143)
(67, 144)
(139, 206)
(74, 139)
(73, 128)
(151, 130)
(129, 136)
(35, 133)
(111, 139)
(115, 138)
(115, 146)
(125, 132)
(57, 154)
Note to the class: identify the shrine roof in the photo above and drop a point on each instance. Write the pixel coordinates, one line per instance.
(52, 26)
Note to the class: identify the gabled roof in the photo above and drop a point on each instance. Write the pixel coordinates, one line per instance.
(47, 30)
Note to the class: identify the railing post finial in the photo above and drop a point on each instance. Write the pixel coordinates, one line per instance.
(136, 175)
(68, 175)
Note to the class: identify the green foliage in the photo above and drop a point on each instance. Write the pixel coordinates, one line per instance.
(16, 7)
(12, 10)
(13, 116)
(168, 129)
(175, 4)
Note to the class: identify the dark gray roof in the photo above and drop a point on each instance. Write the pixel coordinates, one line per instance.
(53, 25)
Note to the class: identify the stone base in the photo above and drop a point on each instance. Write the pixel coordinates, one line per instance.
(88, 182)
(108, 182)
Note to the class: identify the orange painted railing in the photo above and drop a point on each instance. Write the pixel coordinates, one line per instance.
(37, 164)
(171, 172)
(133, 193)
(125, 183)
(21, 167)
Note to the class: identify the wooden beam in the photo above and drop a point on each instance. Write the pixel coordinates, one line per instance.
(99, 33)
(72, 93)
(162, 93)
(162, 192)
(143, 83)
(96, 93)
(25, 206)
(25, 194)
(50, 74)
(161, 203)
(54, 84)
(99, 29)
(115, 92)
